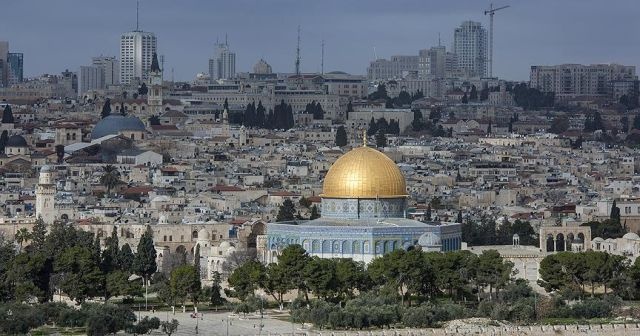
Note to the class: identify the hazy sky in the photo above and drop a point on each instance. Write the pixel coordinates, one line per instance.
(58, 34)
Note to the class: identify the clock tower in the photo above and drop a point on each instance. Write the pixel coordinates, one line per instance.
(154, 96)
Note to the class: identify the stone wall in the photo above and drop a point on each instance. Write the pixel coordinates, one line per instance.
(550, 330)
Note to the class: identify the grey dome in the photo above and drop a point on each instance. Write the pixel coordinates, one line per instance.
(115, 124)
(16, 141)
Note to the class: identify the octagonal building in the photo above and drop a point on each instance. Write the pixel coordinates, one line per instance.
(364, 205)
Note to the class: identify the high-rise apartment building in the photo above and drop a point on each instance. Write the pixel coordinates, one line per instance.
(578, 79)
(223, 63)
(136, 53)
(4, 67)
(91, 78)
(15, 68)
(11, 66)
(396, 67)
(470, 46)
(436, 62)
(110, 69)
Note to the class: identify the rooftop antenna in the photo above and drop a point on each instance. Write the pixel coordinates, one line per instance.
(226, 40)
(162, 63)
(137, 15)
(439, 44)
(172, 75)
(375, 55)
(298, 54)
(322, 60)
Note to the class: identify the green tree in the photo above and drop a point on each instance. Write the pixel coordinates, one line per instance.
(110, 177)
(126, 258)
(143, 89)
(559, 125)
(22, 236)
(215, 296)
(320, 277)
(110, 254)
(286, 212)
(293, 260)
(636, 121)
(314, 212)
(276, 283)
(465, 99)
(144, 326)
(493, 271)
(624, 123)
(185, 283)
(154, 120)
(118, 284)
(38, 235)
(29, 276)
(246, 279)
(381, 139)
(7, 115)
(80, 276)
(144, 263)
(473, 96)
(106, 108)
(170, 327)
(341, 136)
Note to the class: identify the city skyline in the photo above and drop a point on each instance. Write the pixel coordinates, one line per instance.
(525, 35)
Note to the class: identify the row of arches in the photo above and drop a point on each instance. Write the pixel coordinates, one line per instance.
(560, 242)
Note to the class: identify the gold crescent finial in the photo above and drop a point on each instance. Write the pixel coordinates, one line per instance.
(364, 138)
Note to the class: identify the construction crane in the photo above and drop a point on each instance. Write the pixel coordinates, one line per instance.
(490, 12)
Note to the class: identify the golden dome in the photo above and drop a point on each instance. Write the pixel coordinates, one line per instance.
(364, 173)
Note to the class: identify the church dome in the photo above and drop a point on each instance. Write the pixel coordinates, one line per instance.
(115, 124)
(16, 141)
(364, 173)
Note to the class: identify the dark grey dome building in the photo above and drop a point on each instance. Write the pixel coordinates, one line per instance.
(129, 126)
(16, 141)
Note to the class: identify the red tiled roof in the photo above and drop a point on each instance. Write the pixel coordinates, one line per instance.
(220, 188)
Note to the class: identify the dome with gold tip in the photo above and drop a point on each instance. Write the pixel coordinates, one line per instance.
(364, 173)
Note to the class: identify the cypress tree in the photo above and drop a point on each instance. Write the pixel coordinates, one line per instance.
(38, 235)
(314, 212)
(106, 108)
(196, 260)
(260, 115)
(7, 115)
(341, 137)
(144, 263)
(381, 139)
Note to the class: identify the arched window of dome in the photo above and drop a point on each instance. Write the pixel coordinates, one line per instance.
(380, 247)
(194, 234)
(357, 247)
(346, 246)
(305, 245)
(390, 246)
(315, 246)
(336, 246)
(366, 246)
(326, 246)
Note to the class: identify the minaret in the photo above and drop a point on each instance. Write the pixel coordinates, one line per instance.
(243, 136)
(154, 96)
(45, 196)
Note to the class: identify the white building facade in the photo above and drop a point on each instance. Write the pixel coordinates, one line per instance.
(136, 53)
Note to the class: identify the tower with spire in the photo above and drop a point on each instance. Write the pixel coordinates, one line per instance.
(154, 95)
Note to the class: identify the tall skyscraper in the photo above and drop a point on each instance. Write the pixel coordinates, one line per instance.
(4, 67)
(136, 53)
(223, 63)
(110, 69)
(15, 62)
(470, 46)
